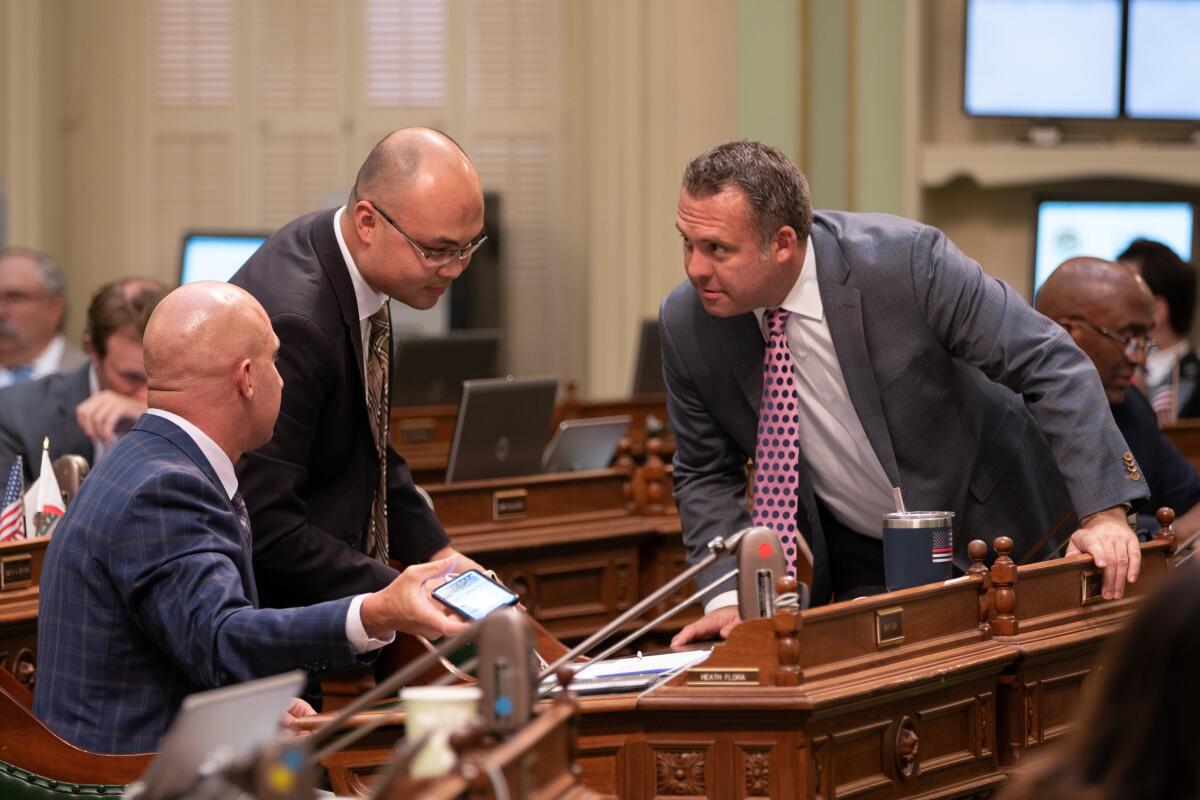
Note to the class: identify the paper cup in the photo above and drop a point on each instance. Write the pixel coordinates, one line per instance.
(441, 710)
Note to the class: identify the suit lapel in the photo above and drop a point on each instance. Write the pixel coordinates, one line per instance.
(330, 256)
(743, 345)
(843, 315)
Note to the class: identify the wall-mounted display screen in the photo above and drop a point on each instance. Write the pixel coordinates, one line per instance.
(1102, 228)
(216, 256)
(1162, 67)
(1043, 58)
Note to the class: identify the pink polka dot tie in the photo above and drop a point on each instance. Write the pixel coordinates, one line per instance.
(777, 451)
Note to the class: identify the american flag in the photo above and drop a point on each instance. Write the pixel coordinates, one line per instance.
(12, 513)
(943, 545)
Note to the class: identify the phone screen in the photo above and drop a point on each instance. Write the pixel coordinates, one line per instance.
(474, 595)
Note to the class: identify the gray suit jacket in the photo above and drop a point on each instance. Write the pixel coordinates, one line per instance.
(45, 407)
(969, 397)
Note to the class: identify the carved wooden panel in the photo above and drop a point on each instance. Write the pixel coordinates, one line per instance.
(817, 762)
(1033, 715)
(1061, 698)
(586, 585)
(857, 759)
(681, 772)
(756, 770)
(600, 768)
(946, 733)
(985, 721)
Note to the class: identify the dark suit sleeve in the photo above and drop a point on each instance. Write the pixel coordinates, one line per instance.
(414, 533)
(176, 563)
(985, 323)
(709, 468)
(10, 440)
(288, 549)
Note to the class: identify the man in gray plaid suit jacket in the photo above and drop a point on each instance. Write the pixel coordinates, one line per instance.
(915, 370)
(147, 592)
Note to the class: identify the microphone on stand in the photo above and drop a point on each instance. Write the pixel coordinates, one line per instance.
(718, 548)
(760, 563)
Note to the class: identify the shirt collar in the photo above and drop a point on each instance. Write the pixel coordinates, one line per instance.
(49, 360)
(804, 299)
(367, 299)
(216, 456)
(93, 381)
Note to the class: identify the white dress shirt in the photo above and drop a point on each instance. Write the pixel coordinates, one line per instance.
(355, 632)
(845, 472)
(1161, 362)
(47, 362)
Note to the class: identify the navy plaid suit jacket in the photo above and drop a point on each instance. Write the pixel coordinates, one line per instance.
(147, 596)
(972, 401)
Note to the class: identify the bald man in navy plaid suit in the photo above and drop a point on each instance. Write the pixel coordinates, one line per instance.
(147, 591)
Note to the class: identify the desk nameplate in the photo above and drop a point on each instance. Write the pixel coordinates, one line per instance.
(1091, 587)
(889, 626)
(16, 572)
(723, 676)
(416, 430)
(509, 504)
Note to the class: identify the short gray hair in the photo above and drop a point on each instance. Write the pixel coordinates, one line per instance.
(54, 283)
(775, 187)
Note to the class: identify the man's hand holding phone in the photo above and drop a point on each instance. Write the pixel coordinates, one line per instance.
(405, 604)
(473, 594)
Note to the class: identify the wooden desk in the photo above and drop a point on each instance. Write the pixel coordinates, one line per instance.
(572, 545)
(1185, 435)
(422, 434)
(21, 563)
(909, 694)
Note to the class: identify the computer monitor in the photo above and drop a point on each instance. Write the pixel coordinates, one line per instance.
(584, 444)
(647, 372)
(1104, 228)
(214, 729)
(216, 256)
(501, 428)
(430, 370)
(1043, 59)
(1162, 63)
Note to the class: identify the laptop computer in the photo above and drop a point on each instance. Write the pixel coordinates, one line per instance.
(647, 373)
(430, 370)
(501, 428)
(583, 444)
(216, 728)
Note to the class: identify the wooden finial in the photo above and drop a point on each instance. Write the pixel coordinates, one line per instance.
(1003, 617)
(787, 637)
(655, 474)
(1166, 518)
(977, 550)
(46, 444)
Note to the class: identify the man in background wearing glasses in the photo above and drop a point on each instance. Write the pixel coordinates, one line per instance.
(330, 501)
(32, 312)
(1109, 312)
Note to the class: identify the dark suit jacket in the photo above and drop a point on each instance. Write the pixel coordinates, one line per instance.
(46, 407)
(309, 490)
(146, 597)
(968, 397)
(1172, 479)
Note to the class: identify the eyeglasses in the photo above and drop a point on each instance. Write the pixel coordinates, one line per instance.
(14, 298)
(434, 258)
(1132, 344)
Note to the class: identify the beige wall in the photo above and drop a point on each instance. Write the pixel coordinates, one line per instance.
(865, 94)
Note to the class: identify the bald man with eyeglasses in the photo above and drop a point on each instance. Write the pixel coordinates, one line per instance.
(329, 499)
(1109, 312)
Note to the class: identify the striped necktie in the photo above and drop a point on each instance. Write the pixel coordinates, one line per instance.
(777, 450)
(378, 353)
(21, 373)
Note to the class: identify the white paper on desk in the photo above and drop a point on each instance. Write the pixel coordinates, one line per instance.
(657, 664)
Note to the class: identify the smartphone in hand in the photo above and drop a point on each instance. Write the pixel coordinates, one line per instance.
(474, 595)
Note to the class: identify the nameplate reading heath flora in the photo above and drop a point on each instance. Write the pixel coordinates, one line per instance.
(724, 676)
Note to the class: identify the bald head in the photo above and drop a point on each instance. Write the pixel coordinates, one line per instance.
(209, 351)
(408, 159)
(1103, 306)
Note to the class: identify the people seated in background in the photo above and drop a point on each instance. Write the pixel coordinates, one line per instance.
(1172, 372)
(1136, 737)
(892, 361)
(147, 593)
(32, 313)
(81, 411)
(1109, 312)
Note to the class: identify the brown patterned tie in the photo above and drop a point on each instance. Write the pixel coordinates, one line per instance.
(378, 353)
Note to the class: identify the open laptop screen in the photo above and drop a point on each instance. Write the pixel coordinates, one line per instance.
(502, 427)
